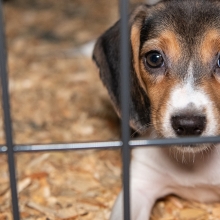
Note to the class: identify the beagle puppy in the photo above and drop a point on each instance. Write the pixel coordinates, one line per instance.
(175, 92)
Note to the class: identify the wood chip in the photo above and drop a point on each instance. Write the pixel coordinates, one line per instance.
(175, 201)
(191, 214)
(22, 184)
(216, 211)
(38, 175)
(38, 160)
(61, 213)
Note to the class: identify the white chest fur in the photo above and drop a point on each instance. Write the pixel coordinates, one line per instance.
(197, 178)
(155, 173)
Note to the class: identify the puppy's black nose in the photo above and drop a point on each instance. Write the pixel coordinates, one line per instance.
(188, 125)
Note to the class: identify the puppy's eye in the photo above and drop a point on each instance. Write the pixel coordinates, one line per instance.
(218, 63)
(154, 59)
(217, 69)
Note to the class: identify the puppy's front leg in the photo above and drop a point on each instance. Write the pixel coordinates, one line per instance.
(142, 201)
(148, 182)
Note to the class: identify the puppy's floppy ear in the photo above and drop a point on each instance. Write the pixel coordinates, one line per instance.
(106, 54)
(107, 57)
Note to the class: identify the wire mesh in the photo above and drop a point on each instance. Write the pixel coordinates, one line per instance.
(125, 144)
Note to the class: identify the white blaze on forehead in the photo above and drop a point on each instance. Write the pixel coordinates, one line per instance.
(185, 96)
(182, 96)
(185, 93)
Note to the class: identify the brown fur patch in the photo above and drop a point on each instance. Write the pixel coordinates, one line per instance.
(167, 42)
(212, 88)
(137, 17)
(210, 45)
(159, 93)
(157, 87)
(135, 43)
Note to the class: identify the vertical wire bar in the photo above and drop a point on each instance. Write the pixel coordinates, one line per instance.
(125, 96)
(7, 118)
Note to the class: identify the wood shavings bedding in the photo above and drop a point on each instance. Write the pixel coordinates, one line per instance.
(56, 96)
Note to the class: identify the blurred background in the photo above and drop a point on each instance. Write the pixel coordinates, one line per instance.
(57, 97)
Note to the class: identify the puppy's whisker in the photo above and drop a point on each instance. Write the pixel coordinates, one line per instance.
(142, 128)
(137, 131)
(217, 149)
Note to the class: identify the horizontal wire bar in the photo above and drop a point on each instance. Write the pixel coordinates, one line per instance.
(3, 149)
(73, 146)
(111, 144)
(174, 141)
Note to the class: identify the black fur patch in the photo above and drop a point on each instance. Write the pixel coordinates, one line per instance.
(107, 58)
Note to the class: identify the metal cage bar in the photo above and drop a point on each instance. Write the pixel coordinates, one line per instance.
(110, 144)
(7, 119)
(125, 96)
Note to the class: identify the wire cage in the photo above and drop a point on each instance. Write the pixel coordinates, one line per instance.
(125, 143)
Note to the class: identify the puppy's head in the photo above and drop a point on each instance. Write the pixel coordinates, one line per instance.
(174, 69)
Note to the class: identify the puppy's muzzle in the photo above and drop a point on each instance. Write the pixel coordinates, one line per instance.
(188, 125)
